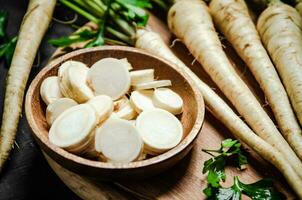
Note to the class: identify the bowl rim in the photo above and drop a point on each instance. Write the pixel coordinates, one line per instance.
(104, 165)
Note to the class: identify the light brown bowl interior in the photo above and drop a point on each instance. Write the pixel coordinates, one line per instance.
(192, 117)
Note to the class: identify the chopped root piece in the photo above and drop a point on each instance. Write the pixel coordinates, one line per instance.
(118, 140)
(50, 89)
(109, 76)
(159, 129)
(142, 76)
(168, 100)
(72, 128)
(142, 100)
(127, 112)
(73, 83)
(103, 106)
(67, 65)
(152, 85)
(56, 108)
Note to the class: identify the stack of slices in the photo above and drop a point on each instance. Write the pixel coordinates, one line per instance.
(110, 113)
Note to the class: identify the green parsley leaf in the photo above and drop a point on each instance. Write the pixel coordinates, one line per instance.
(3, 24)
(215, 166)
(7, 50)
(100, 40)
(261, 190)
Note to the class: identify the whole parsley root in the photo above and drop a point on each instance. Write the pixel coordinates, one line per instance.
(34, 25)
(191, 22)
(153, 43)
(233, 20)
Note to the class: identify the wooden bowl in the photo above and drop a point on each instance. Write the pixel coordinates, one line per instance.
(192, 117)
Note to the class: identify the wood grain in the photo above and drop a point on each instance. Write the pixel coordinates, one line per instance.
(185, 180)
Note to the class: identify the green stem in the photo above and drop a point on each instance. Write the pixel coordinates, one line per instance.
(100, 4)
(114, 42)
(80, 11)
(87, 7)
(99, 10)
(120, 35)
(209, 152)
(82, 4)
(97, 7)
(122, 24)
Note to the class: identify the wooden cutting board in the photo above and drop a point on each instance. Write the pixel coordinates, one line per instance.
(185, 180)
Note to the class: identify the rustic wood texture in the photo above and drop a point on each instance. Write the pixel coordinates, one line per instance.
(185, 180)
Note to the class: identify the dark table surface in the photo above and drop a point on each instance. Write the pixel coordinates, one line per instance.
(27, 174)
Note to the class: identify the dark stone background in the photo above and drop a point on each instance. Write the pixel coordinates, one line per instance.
(27, 174)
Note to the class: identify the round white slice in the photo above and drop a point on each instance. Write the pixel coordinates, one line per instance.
(118, 140)
(50, 89)
(152, 85)
(109, 76)
(73, 126)
(103, 106)
(76, 79)
(142, 100)
(142, 76)
(159, 129)
(83, 147)
(56, 108)
(168, 100)
(67, 65)
(65, 88)
(127, 112)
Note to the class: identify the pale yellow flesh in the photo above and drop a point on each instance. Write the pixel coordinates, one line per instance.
(109, 76)
(67, 65)
(118, 140)
(103, 105)
(127, 112)
(142, 100)
(152, 85)
(168, 100)
(159, 129)
(56, 108)
(73, 126)
(142, 76)
(50, 90)
(75, 78)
